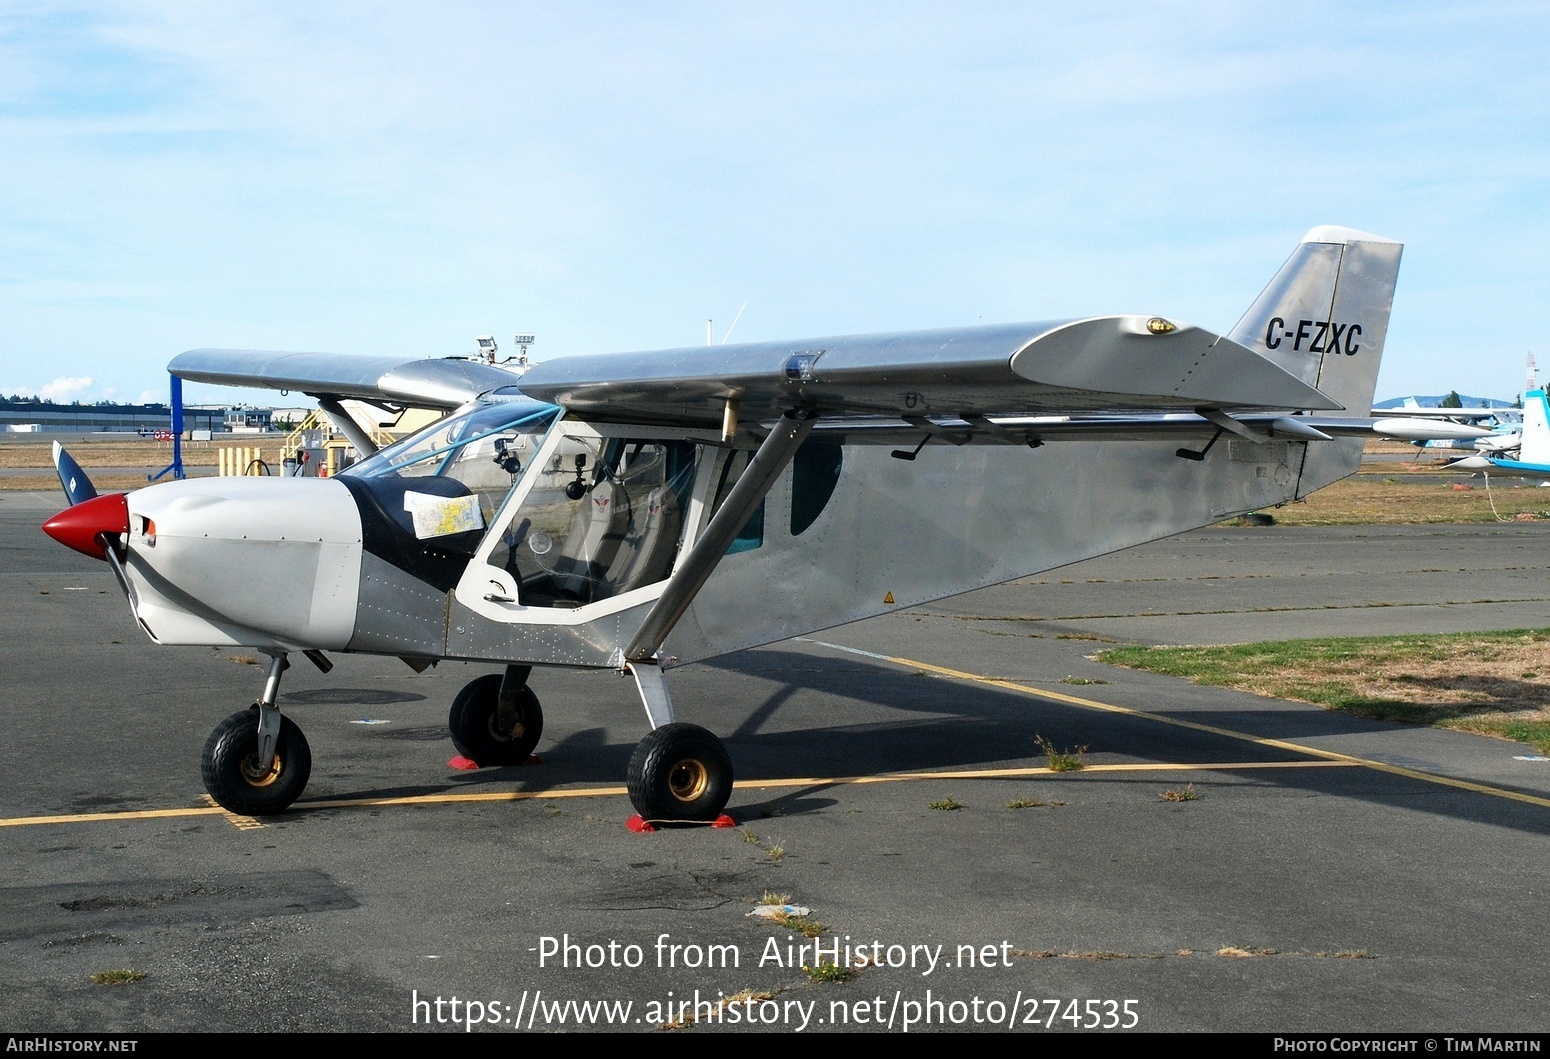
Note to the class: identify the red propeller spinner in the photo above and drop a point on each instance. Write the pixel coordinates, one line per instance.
(79, 527)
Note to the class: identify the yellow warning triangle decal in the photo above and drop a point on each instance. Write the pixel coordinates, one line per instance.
(888, 598)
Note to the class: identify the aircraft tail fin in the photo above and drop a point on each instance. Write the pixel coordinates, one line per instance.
(1536, 429)
(1326, 314)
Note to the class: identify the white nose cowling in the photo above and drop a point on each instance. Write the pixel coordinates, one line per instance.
(251, 561)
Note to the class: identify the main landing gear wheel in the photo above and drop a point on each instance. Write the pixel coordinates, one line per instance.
(235, 779)
(474, 721)
(680, 773)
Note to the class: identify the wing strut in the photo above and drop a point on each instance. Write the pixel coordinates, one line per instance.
(348, 426)
(775, 452)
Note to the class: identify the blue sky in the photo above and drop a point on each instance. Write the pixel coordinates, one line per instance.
(398, 178)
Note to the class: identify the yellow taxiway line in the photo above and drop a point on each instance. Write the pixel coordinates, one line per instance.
(247, 822)
(1322, 759)
(1277, 744)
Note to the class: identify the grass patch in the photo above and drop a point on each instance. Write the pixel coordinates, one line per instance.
(118, 452)
(1366, 501)
(1024, 803)
(1082, 680)
(1062, 760)
(803, 925)
(1186, 793)
(828, 972)
(122, 976)
(1472, 682)
(948, 805)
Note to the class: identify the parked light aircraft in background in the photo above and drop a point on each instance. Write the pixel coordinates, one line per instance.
(1452, 428)
(1528, 456)
(642, 511)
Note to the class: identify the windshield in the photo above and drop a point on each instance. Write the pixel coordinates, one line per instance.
(484, 440)
(479, 450)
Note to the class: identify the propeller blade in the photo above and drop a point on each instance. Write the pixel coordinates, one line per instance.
(78, 487)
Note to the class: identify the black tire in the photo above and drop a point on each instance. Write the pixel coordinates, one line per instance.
(474, 722)
(229, 766)
(680, 773)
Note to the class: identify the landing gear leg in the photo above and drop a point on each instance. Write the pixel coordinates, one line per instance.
(680, 773)
(257, 761)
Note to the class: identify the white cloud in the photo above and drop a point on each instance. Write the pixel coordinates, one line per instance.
(65, 388)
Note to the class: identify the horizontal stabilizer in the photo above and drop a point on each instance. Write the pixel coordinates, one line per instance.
(1181, 365)
(423, 383)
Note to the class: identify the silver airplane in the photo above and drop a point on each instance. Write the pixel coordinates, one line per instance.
(642, 511)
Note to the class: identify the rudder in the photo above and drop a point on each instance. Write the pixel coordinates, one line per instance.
(1325, 316)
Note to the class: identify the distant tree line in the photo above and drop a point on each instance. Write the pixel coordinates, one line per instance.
(44, 402)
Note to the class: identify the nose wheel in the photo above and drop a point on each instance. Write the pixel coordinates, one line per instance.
(256, 761)
(240, 781)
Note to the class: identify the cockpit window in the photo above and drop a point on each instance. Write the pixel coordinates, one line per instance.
(604, 516)
(483, 446)
(426, 500)
(447, 442)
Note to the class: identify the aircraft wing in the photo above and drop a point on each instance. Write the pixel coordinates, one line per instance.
(1113, 377)
(1100, 364)
(1489, 464)
(1408, 412)
(444, 383)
